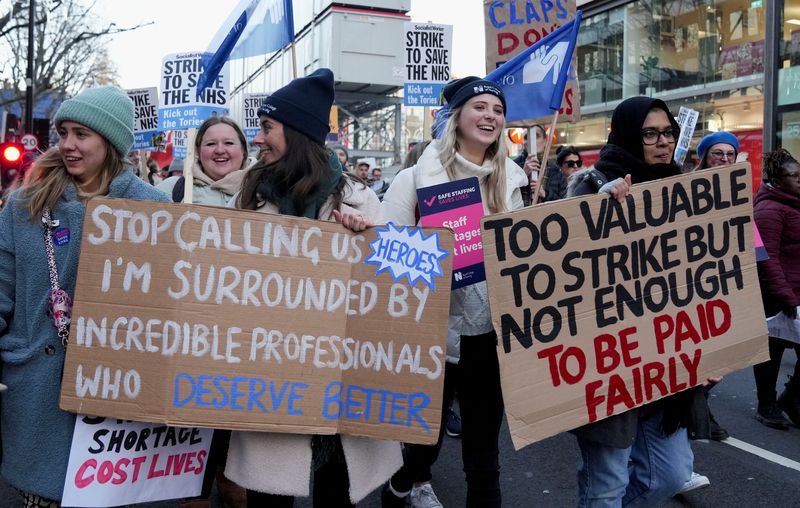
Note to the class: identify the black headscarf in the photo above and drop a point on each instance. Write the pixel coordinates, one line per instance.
(624, 153)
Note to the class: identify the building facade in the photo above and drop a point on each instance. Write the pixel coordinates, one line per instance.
(713, 56)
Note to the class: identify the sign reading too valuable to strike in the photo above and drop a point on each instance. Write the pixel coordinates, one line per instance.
(601, 306)
(213, 317)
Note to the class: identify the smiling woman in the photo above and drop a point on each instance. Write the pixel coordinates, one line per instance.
(95, 132)
(221, 150)
(469, 147)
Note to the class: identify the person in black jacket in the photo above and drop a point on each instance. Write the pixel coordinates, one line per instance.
(556, 186)
(641, 457)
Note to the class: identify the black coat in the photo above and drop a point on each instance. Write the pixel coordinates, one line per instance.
(556, 187)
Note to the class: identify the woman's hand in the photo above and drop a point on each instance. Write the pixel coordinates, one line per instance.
(353, 221)
(533, 188)
(712, 380)
(618, 188)
(531, 165)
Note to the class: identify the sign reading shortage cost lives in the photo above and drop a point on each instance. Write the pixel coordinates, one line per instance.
(212, 317)
(602, 306)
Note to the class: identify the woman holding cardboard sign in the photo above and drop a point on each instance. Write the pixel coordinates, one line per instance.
(40, 234)
(297, 176)
(640, 457)
(470, 147)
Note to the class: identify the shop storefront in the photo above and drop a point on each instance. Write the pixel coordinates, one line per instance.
(708, 56)
(788, 92)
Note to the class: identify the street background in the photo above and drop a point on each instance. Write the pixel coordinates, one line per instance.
(543, 474)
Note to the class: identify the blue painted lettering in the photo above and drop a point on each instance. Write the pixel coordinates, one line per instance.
(224, 392)
(372, 405)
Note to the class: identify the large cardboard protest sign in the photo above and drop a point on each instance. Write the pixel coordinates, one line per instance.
(115, 462)
(513, 25)
(602, 306)
(214, 317)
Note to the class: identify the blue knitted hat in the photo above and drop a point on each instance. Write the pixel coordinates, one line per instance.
(107, 110)
(712, 139)
(304, 104)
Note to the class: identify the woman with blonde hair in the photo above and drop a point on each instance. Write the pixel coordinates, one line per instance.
(40, 236)
(470, 146)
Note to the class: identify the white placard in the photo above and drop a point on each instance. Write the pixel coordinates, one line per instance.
(179, 105)
(116, 462)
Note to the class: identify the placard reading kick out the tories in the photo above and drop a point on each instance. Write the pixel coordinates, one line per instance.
(222, 318)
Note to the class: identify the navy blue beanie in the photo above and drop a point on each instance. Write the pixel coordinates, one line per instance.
(459, 91)
(304, 104)
(712, 139)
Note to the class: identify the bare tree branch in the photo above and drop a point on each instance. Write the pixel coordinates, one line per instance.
(70, 52)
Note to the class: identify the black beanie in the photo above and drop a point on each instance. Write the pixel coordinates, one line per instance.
(304, 104)
(459, 91)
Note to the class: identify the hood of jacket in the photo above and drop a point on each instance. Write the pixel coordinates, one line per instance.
(767, 192)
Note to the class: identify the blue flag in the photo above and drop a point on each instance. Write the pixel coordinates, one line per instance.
(533, 81)
(255, 27)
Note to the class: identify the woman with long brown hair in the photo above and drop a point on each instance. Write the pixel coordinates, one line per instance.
(297, 176)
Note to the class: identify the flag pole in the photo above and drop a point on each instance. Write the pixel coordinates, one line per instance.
(543, 172)
(294, 62)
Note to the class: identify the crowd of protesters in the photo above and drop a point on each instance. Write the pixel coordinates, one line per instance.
(640, 457)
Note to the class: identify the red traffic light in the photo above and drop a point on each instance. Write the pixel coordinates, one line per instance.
(11, 153)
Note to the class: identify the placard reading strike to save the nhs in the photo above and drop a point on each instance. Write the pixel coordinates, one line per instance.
(602, 306)
(180, 107)
(457, 205)
(212, 317)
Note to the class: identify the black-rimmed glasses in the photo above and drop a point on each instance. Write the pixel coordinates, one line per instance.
(650, 136)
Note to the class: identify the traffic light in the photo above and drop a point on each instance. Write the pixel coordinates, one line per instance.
(10, 162)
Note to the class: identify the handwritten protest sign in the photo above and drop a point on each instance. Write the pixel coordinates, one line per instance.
(114, 462)
(145, 114)
(180, 107)
(213, 317)
(513, 25)
(457, 205)
(428, 48)
(252, 101)
(603, 306)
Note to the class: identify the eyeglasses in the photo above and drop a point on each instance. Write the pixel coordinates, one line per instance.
(650, 136)
(574, 164)
(720, 155)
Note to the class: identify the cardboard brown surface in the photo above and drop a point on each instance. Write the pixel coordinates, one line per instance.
(586, 351)
(515, 25)
(369, 363)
